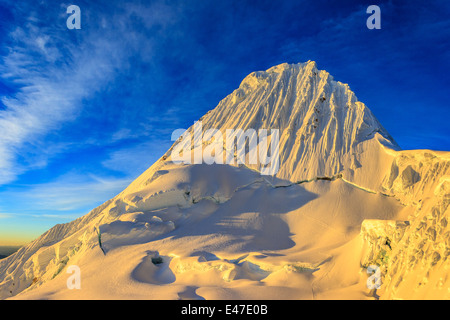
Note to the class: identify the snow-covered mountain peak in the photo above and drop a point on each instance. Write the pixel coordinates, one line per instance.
(338, 203)
(323, 127)
(282, 71)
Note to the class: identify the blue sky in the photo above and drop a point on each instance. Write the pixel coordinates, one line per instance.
(84, 112)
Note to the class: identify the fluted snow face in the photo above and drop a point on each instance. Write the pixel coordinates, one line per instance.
(320, 121)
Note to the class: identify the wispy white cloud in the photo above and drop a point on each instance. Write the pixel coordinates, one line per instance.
(54, 70)
(39, 216)
(49, 94)
(73, 193)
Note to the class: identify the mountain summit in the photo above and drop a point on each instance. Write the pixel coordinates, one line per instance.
(344, 201)
(324, 130)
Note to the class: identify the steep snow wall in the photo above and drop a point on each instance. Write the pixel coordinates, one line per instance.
(419, 266)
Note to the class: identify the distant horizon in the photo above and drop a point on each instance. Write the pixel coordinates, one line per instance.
(85, 111)
(14, 244)
(6, 251)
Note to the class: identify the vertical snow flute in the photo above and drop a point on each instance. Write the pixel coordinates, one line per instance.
(209, 146)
